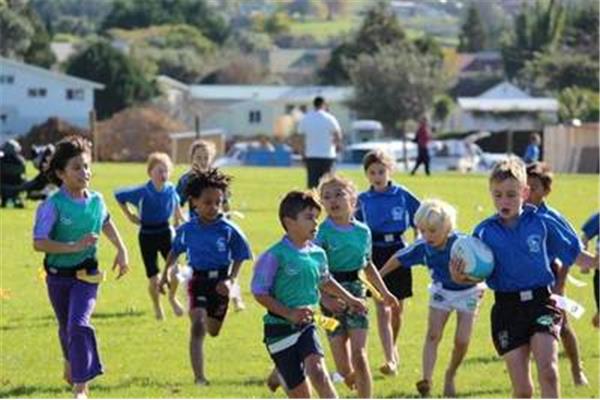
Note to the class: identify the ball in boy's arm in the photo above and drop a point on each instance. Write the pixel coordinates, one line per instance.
(478, 259)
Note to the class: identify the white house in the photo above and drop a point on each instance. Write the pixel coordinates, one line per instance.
(253, 109)
(504, 107)
(30, 95)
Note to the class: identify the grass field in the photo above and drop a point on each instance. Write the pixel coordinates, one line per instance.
(147, 359)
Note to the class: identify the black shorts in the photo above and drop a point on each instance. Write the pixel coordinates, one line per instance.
(399, 281)
(150, 245)
(290, 361)
(515, 321)
(202, 293)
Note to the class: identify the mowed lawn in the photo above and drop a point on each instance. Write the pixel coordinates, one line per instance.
(144, 358)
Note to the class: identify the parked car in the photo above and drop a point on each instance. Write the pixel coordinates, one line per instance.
(258, 154)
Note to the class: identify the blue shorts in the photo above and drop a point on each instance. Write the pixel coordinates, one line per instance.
(290, 361)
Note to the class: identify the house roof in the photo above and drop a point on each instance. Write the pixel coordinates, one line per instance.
(506, 97)
(164, 79)
(51, 74)
(270, 93)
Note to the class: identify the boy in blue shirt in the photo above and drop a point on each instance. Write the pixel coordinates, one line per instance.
(524, 318)
(286, 281)
(215, 248)
(436, 221)
(590, 231)
(388, 209)
(539, 180)
(156, 202)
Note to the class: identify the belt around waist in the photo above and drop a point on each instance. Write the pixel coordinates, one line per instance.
(212, 273)
(345, 276)
(155, 227)
(522, 295)
(89, 264)
(390, 237)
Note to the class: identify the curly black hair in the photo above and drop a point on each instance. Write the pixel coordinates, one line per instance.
(67, 148)
(211, 178)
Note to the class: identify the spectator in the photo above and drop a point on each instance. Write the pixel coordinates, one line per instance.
(532, 153)
(323, 139)
(422, 138)
(12, 172)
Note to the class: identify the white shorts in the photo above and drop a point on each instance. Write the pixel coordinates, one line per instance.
(466, 300)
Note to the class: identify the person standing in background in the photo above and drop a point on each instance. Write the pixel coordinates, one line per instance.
(532, 152)
(422, 138)
(323, 139)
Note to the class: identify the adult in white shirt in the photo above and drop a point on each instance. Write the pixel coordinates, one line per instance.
(322, 139)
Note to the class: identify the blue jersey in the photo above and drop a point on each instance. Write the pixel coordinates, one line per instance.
(532, 153)
(437, 260)
(154, 207)
(391, 211)
(545, 209)
(211, 246)
(590, 228)
(522, 253)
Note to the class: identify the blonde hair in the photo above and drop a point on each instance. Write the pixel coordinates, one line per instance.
(159, 158)
(378, 156)
(333, 179)
(509, 168)
(434, 213)
(207, 148)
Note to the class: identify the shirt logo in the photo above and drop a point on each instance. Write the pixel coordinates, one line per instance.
(65, 220)
(221, 245)
(397, 213)
(534, 243)
(291, 270)
(545, 320)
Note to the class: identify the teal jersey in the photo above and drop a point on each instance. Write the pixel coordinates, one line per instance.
(74, 220)
(348, 247)
(291, 275)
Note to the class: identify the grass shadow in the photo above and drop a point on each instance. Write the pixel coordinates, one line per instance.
(24, 390)
(482, 360)
(117, 314)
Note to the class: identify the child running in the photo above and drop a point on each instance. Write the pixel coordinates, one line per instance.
(388, 209)
(539, 180)
(436, 221)
(215, 249)
(286, 281)
(66, 229)
(590, 231)
(347, 243)
(156, 202)
(202, 155)
(524, 320)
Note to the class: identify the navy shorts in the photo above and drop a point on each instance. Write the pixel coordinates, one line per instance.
(399, 281)
(150, 245)
(203, 293)
(517, 316)
(290, 361)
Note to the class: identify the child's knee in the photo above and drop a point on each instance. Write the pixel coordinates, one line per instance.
(434, 336)
(461, 344)
(198, 328)
(315, 368)
(360, 360)
(549, 372)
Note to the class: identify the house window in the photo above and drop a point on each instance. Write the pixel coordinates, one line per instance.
(254, 117)
(7, 79)
(37, 92)
(74, 94)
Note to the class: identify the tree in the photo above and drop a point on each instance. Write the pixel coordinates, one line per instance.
(579, 103)
(536, 29)
(307, 8)
(441, 109)
(23, 36)
(129, 14)
(379, 28)
(472, 36)
(124, 83)
(395, 85)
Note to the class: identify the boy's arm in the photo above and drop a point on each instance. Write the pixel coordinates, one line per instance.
(169, 262)
(121, 259)
(129, 214)
(179, 216)
(224, 287)
(390, 265)
(300, 315)
(331, 286)
(376, 279)
(587, 260)
(53, 247)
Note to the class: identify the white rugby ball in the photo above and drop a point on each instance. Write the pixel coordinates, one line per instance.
(478, 258)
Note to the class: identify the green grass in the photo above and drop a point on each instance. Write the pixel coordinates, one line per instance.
(145, 358)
